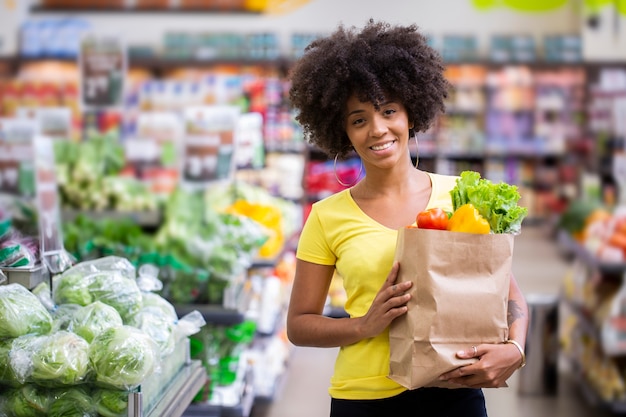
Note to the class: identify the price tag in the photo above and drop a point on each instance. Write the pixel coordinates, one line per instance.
(16, 157)
(209, 144)
(102, 63)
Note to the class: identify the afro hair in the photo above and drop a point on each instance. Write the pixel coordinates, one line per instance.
(379, 62)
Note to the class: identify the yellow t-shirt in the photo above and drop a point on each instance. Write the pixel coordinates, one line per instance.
(338, 233)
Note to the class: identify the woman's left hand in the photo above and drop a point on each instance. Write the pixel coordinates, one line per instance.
(496, 363)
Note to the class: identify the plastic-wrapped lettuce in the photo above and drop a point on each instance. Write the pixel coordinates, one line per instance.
(110, 402)
(62, 316)
(107, 263)
(158, 325)
(150, 299)
(123, 357)
(118, 291)
(7, 376)
(21, 312)
(73, 402)
(53, 360)
(89, 321)
(26, 401)
(110, 287)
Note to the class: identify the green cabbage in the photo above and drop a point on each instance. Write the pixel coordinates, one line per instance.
(63, 315)
(123, 357)
(111, 403)
(61, 358)
(21, 312)
(91, 320)
(73, 402)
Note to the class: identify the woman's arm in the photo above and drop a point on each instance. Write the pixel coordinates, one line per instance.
(307, 326)
(496, 362)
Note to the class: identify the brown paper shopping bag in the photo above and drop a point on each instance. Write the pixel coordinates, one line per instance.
(459, 299)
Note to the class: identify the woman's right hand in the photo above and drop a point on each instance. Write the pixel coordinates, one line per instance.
(389, 303)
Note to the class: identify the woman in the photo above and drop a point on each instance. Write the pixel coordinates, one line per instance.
(367, 92)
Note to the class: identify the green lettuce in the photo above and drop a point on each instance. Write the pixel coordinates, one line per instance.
(21, 312)
(497, 203)
(26, 401)
(73, 402)
(111, 403)
(60, 358)
(123, 357)
(91, 320)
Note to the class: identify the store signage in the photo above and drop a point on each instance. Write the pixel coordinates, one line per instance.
(16, 156)
(54, 122)
(53, 250)
(102, 63)
(209, 144)
(153, 154)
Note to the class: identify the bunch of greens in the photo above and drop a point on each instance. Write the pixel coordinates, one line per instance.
(21, 312)
(497, 203)
(123, 357)
(158, 325)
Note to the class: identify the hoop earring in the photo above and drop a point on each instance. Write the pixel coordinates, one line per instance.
(337, 176)
(417, 159)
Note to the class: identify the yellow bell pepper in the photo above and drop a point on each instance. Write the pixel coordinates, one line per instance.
(467, 219)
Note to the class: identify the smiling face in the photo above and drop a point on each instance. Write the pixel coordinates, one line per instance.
(380, 137)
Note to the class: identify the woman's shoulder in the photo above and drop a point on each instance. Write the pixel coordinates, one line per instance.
(442, 181)
(332, 201)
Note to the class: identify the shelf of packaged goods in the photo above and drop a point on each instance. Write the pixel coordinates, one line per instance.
(578, 250)
(234, 400)
(593, 398)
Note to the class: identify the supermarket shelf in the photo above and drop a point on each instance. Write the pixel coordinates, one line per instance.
(181, 391)
(242, 388)
(212, 313)
(578, 250)
(141, 218)
(594, 399)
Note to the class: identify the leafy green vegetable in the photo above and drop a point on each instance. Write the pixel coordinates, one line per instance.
(111, 403)
(7, 376)
(71, 288)
(497, 203)
(157, 325)
(118, 291)
(73, 402)
(123, 357)
(21, 312)
(91, 320)
(27, 401)
(61, 358)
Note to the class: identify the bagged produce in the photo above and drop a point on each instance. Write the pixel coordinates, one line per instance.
(53, 360)
(91, 320)
(21, 312)
(123, 357)
(460, 269)
(26, 401)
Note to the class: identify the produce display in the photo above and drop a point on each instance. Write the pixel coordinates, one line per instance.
(208, 239)
(81, 347)
(88, 175)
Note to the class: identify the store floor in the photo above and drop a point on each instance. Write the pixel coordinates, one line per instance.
(539, 269)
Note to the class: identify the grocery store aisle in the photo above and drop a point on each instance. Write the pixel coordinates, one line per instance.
(539, 268)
